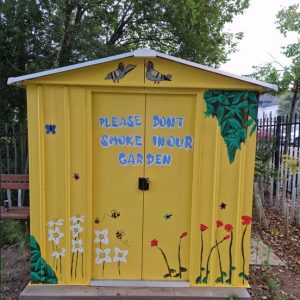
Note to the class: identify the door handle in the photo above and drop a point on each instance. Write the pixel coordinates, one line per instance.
(144, 184)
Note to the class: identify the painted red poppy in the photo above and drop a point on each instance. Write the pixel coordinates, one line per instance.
(183, 234)
(219, 223)
(228, 227)
(246, 220)
(203, 227)
(154, 243)
(226, 237)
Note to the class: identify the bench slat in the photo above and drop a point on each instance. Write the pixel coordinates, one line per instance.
(15, 185)
(14, 177)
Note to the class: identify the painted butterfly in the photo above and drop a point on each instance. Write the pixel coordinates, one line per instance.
(50, 128)
(167, 216)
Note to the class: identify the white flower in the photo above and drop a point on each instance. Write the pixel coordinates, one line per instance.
(59, 253)
(101, 236)
(76, 230)
(55, 222)
(77, 246)
(102, 256)
(55, 235)
(77, 218)
(120, 255)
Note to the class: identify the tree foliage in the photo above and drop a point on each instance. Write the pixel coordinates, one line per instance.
(37, 35)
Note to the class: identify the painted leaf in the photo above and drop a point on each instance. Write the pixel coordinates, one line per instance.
(33, 243)
(224, 274)
(246, 277)
(218, 280)
(183, 269)
(35, 255)
(167, 275)
(204, 280)
(202, 269)
(35, 278)
(234, 123)
(51, 280)
(233, 268)
(177, 275)
(241, 274)
(253, 129)
(220, 113)
(228, 281)
(198, 280)
(172, 270)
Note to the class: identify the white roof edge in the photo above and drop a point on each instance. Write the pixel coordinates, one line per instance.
(145, 52)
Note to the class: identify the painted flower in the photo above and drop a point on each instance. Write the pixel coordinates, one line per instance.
(55, 222)
(77, 218)
(228, 227)
(102, 256)
(154, 243)
(183, 234)
(203, 227)
(76, 230)
(55, 235)
(59, 253)
(246, 220)
(219, 223)
(226, 237)
(77, 246)
(120, 255)
(101, 236)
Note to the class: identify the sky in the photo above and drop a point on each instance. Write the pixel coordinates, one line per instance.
(261, 38)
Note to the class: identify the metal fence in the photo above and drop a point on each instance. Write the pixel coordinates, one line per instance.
(288, 179)
(14, 156)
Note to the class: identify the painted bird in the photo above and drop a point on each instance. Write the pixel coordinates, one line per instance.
(120, 72)
(153, 75)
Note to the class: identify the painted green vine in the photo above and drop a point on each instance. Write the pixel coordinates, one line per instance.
(235, 111)
(41, 272)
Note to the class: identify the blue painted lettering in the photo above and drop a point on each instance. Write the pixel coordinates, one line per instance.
(167, 122)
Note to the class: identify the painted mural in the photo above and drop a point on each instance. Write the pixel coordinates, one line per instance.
(154, 75)
(119, 73)
(236, 112)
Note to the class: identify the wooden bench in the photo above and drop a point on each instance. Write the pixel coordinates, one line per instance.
(14, 182)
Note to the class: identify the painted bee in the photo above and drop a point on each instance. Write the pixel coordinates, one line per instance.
(115, 214)
(97, 220)
(168, 216)
(120, 234)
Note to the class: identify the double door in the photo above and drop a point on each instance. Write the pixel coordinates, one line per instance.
(142, 185)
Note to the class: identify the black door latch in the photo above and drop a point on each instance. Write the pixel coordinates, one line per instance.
(143, 183)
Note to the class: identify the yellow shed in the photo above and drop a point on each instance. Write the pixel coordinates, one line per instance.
(141, 169)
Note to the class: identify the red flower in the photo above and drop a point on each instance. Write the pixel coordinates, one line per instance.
(154, 243)
(228, 227)
(203, 227)
(183, 234)
(219, 223)
(226, 237)
(246, 220)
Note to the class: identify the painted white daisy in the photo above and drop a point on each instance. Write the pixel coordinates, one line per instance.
(76, 230)
(120, 255)
(77, 218)
(102, 256)
(55, 222)
(55, 235)
(101, 236)
(77, 246)
(59, 253)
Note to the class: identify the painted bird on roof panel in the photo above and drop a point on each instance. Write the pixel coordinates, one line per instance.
(154, 75)
(120, 72)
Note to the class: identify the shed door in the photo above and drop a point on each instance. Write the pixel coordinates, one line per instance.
(141, 136)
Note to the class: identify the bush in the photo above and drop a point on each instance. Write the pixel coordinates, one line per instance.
(12, 233)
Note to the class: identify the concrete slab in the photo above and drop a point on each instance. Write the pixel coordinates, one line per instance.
(261, 253)
(219, 293)
(45, 292)
(60, 292)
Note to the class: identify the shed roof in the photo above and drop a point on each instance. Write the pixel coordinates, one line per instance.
(147, 53)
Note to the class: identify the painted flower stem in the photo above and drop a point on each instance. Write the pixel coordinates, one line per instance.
(72, 264)
(220, 263)
(119, 264)
(243, 253)
(165, 258)
(179, 258)
(230, 257)
(76, 264)
(201, 255)
(103, 266)
(82, 265)
(208, 259)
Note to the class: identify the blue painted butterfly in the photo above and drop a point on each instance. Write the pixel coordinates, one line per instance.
(50, 128)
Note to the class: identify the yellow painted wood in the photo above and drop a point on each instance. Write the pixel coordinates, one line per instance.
(170, 187)
(74, 179)
(115, 190)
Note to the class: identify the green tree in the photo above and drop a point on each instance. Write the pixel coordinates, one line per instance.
(37, 35)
